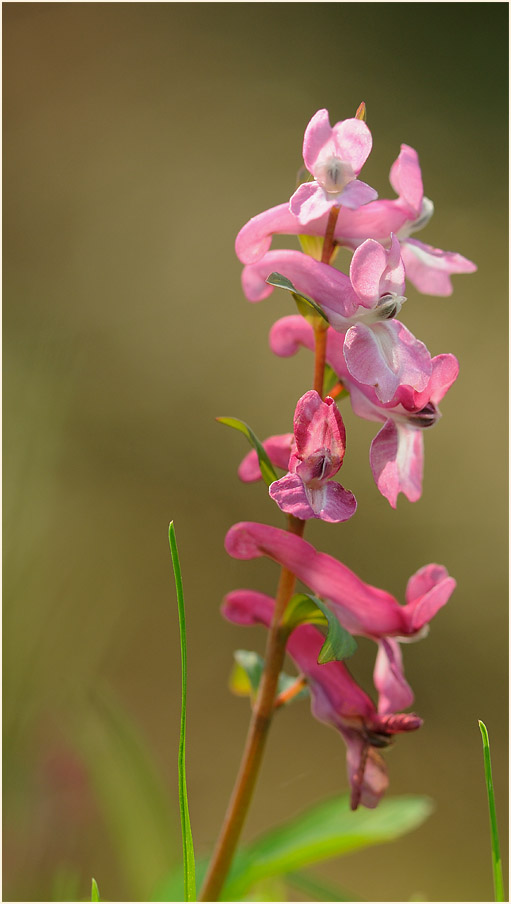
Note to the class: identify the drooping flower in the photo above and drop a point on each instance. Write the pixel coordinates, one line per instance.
(361, 608)
(374, 290)
(396, 454)
(334, 156)
(336, 699)
(307, 491)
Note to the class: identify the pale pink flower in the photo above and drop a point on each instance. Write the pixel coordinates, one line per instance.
(334, 156)
(336, 698)
(307, 491)
(396, 454)
(372, 292)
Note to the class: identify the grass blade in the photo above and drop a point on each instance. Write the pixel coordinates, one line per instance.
(498, 881)
(94, 895)
(188, 854)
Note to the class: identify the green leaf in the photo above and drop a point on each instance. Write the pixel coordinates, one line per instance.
(246, 676)
(94, 895)
(326, 830)
(305, 608)
(307, 307)
(498, 881)
(186, 830)
(265, 464)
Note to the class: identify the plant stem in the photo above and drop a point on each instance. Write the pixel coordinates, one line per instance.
(256, 738)
(274, 660)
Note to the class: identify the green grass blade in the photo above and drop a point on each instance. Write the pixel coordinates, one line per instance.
(94, 894)
(498, 880)
(188, 854)
(267, 470)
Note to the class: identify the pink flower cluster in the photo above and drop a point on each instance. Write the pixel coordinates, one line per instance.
(391, 378)
(390, 375)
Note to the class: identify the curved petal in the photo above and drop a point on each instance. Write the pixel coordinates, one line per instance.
(310, 202)
(317, 134)
(333, 503)
(430, 269)
(327, 286)
(361, 608)
(254, 238)
(318, 425)
(427, 591)
(366, 789)
(289, 334)
(395, 694)
(291, 497)
(376, 220)
(396, 458)
(352, 142)
(406, 179)
(278, 449)
(386, 356)
(355, 194)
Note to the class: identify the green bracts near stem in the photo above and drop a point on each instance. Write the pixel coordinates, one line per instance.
(307, 609)
(267, 470)
(188, 853)
(498, 881)
(307, 307)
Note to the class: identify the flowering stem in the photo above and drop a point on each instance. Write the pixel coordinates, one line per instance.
(264, 706)
(256, 738)
(329, 243)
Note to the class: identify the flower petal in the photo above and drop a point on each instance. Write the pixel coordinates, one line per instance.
(310, 202)
(396, 458)
(290, 495)
(278, 449)
(318, 425)
(386, 356)
(356, 194)
(352, 141)
(395, 694)
(427, 591)
(430, 269)
(406, 179)
(317, 134)
(337, 504)
(254, 238)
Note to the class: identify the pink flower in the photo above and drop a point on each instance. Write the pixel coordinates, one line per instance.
(335, 157)
(396, 454)
(337, 700)
(320, 442)
(429, 269)
(361, 608)
(372, 292)
(278, 450)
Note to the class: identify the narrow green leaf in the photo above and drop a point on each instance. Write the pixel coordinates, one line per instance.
(188, 853)
(498, 881)
(307, 307)
(305, 608)
(94, 895)
(265, 464)
(318, 889)
(326, 830)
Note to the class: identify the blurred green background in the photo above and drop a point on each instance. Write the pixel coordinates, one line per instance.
(138, 138)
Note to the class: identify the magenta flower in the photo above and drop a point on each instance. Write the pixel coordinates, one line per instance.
(361, 608)
(306, 491)
(278, 450)
(337, 699)
(372, 292)
(396, 454)
(335, 157)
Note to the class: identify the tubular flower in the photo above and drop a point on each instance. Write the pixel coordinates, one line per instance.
(372, 292)
(320, 442)
(361, 608)
(336, 699)
(396, 454)
(334, 156)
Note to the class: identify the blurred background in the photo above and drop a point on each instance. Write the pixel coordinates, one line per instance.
(138, 138)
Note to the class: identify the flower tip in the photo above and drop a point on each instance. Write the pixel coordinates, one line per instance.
(361, 112)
